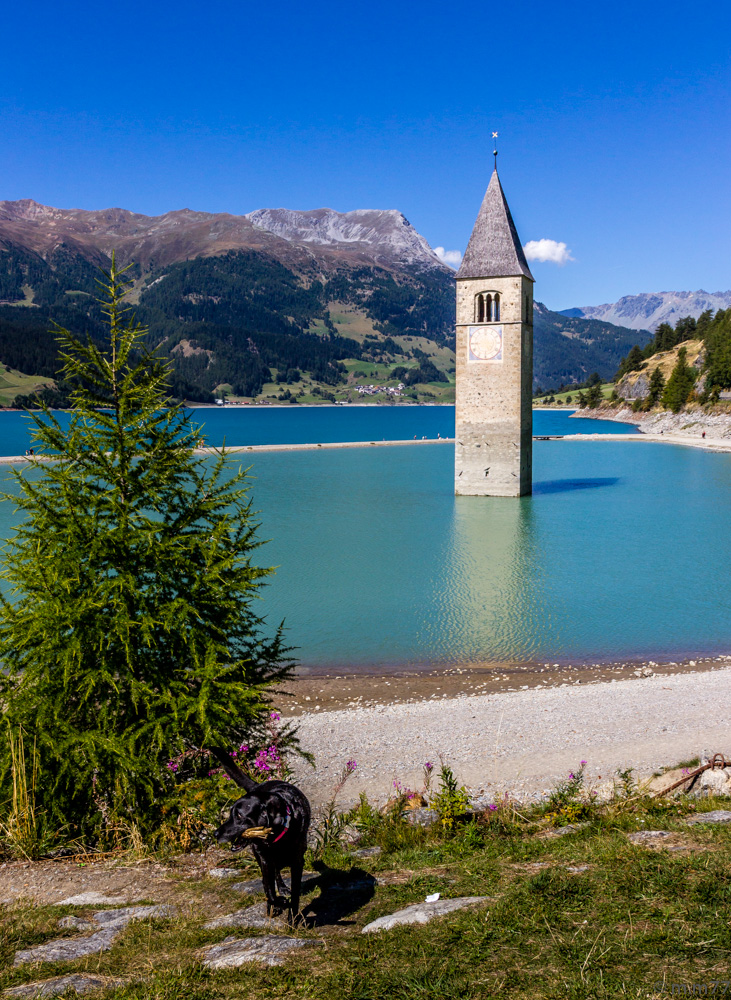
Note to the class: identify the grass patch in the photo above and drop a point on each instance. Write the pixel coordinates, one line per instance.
(589, 914)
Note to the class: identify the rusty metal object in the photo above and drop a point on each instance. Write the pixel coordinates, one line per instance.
(717, 760)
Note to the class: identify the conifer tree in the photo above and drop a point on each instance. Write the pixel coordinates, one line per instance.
(680, 384)
(594, 395)
(634, 361)
(656, 387)
(130, 629)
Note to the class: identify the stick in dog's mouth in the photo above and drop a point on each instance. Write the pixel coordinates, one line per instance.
(253, 833)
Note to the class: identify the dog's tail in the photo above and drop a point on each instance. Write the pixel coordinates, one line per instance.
(232, 769)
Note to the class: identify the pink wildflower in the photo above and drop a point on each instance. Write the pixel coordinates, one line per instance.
(350, 766)
(275, 716)
(583, 763)
(492, 807)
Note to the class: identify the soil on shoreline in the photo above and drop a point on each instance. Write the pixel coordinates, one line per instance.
(331, 691)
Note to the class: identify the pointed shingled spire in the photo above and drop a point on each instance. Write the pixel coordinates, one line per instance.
(494, 250)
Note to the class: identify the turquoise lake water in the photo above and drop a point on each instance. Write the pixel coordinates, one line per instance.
(310, 424)
(623, 550)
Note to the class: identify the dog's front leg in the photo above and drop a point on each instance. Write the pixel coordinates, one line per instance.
(296, 868)
(268, 878)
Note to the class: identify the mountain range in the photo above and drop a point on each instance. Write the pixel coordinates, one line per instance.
(648, 310)
(243, 301)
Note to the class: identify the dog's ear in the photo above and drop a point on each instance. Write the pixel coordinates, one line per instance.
(232, 769)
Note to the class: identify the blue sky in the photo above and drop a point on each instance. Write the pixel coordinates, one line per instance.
(614, 121)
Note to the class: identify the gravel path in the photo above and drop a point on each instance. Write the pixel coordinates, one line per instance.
(522, 741)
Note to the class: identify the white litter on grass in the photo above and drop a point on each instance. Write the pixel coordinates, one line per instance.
(433, 898)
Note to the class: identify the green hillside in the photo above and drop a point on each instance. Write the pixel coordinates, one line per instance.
(243, 323)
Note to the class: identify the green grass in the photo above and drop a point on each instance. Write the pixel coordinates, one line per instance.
(14, 383)
(562, 397)
(632, 918)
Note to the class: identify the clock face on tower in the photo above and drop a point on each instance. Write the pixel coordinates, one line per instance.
(485, 343)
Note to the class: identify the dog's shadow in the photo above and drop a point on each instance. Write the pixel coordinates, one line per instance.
(342, 893)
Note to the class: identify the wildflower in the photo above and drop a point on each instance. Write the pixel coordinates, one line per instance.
(492, 807)
(275, 716)
(234, 753)
(571, 775)
(171, 766)
(429, 766)
(583, 763)
(267, 759)
(350, 766)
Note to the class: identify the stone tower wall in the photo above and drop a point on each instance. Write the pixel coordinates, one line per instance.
(494, 433)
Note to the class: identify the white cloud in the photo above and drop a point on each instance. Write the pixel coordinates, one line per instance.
(451, 257)
(548, 250)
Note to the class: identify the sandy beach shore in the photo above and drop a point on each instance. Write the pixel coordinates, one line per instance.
(522, 741)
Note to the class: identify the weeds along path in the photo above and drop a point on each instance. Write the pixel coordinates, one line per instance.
(522, 741)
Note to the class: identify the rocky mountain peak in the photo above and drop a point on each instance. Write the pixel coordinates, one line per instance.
(649, 309)
(386, 231)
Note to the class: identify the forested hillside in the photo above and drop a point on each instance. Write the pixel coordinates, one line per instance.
(243, 319)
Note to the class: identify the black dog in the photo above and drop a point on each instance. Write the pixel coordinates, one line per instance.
(285, 810)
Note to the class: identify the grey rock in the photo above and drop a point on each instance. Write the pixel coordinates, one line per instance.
(715, 816)
(562, 831)
(351, 834)
(648, 836)
(76, 924)
(256, 885)
(224, 872)
(716, 781)
(422, 817)
(120, 918)
(93, 899)
(68, 949)
(111, 922)
(422, 913)
(577, 869)
(367, 852)
(268, 949)
(252, 916)
(77, 981)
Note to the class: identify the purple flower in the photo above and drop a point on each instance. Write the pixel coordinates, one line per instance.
(275, 715)
(267, 758)
(492, 807)
(350, 766)
(583, 763)
(429, 766)
(571, 775)
(171, 765)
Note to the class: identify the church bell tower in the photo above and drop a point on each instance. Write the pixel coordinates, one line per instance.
(494, 432)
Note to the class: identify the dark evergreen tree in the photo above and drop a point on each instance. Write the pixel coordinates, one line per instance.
(594, 396)
(680, 383)
(656, 388)
(633, 362)
(129, 631)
